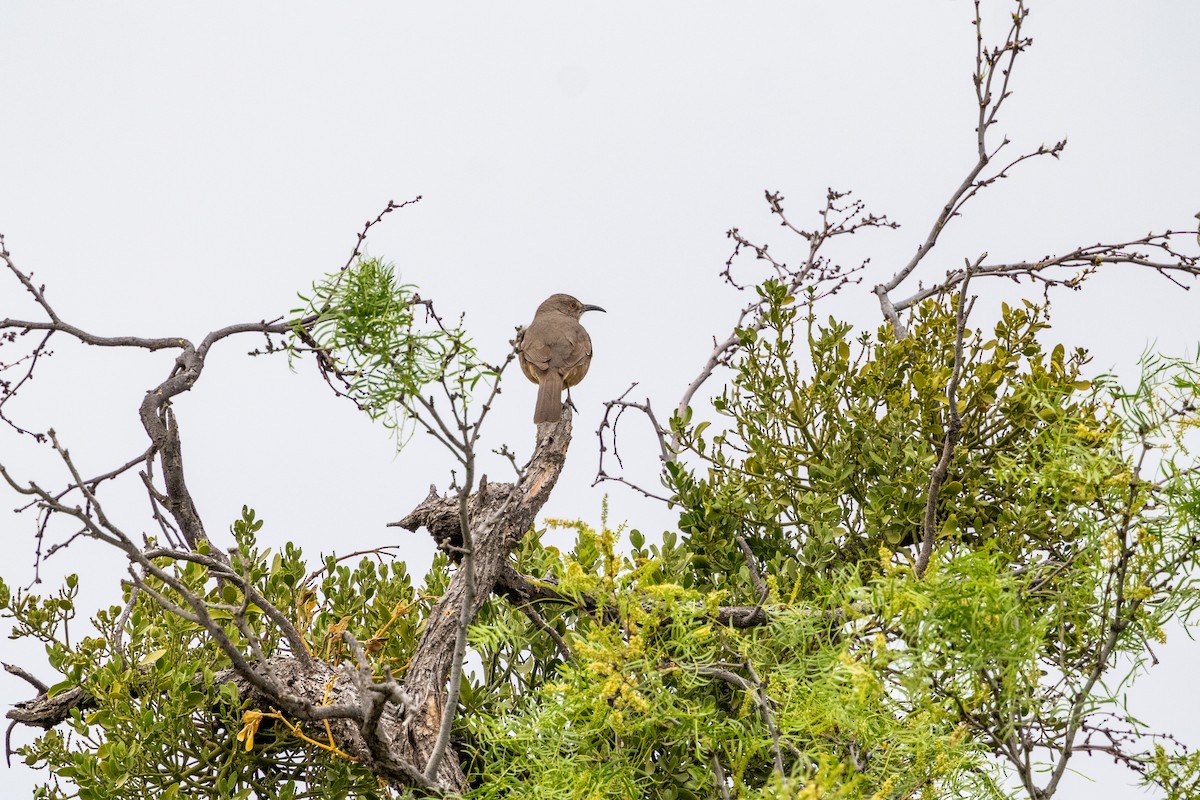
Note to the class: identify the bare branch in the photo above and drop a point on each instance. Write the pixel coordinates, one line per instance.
(1080, 263)
(987, 64)
(9, 389)
(467, 570)
(760, 586)
(764, 702)
(816, 277)
(375, 697)
(609, 422)
(12, 669)
(497, 517)
(817, 274)
(953, 426)
(362, 235)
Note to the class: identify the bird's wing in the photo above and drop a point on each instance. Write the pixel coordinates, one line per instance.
(536, 351)
(562, 347)
(581, 349)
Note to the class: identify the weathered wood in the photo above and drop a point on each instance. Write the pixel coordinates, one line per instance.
(392, 726)
(500, 515)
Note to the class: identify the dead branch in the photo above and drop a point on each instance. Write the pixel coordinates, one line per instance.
(993, 70)
(497, 523)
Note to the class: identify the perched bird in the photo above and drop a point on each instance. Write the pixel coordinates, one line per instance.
(555, 352)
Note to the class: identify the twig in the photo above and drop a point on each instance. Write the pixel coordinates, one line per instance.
(719, 775)
(987, 63)
(536, 618)
(13, 669)
(610, 422)
(953, 426)
(378, 552)
(764, 702)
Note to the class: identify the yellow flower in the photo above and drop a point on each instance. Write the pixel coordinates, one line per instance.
(251, 720)
(611, 685)
(600, 668)
(885, 790)
(1141, 592)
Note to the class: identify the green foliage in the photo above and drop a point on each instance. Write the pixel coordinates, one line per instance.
(642, 709)
(383, 343)
(1060, 550)
(817, 471)
(1177, 774)
(164, 721)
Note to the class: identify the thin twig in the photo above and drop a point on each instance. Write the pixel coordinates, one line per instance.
(764, 702)
(536, 618)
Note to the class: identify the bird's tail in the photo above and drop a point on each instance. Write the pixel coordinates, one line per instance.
(549, 399)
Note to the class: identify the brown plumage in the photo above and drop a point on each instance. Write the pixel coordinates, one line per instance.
(555, 352)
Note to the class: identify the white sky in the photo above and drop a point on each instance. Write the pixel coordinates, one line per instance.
(167, 169)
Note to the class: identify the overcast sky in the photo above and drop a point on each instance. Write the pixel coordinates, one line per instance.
(167, 169)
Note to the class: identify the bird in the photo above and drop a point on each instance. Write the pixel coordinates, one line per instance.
(555, 352)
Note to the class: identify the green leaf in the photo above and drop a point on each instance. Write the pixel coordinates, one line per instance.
(153, 657)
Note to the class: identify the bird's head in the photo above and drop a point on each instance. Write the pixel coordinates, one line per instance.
(566, 304)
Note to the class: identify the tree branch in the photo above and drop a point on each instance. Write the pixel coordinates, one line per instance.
(953, 426)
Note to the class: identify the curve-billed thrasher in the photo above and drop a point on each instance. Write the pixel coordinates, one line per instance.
(555, 352)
